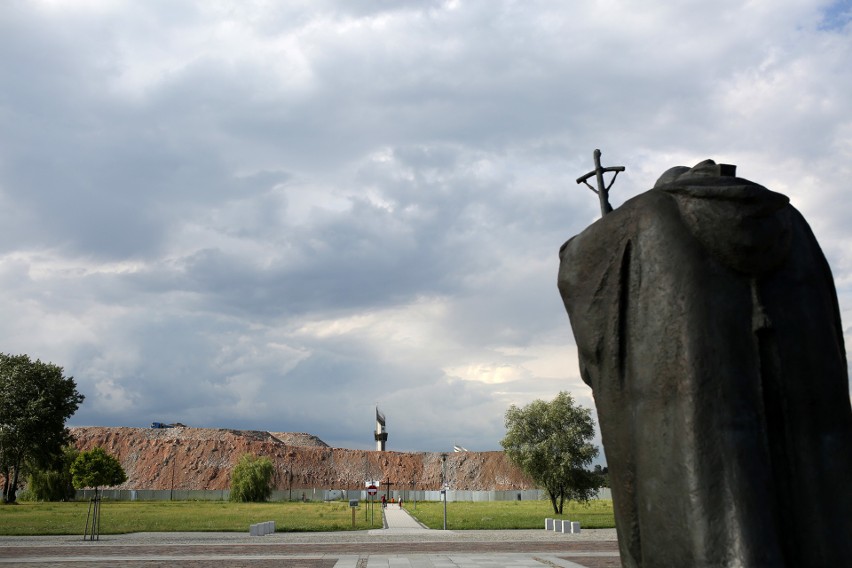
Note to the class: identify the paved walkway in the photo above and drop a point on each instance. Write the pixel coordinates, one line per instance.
(399, 521)
(403, 543)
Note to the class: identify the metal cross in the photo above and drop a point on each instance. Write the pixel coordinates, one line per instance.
(602, 190)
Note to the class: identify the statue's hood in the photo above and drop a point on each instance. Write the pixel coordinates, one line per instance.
(742, 224)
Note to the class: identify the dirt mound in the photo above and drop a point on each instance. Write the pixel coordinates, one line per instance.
(202, 458)
(299, 439)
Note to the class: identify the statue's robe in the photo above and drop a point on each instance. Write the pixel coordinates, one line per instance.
(707, 325)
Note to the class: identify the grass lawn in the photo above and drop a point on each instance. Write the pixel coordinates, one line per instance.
(496, 515)
(213, 516)
(119, 517)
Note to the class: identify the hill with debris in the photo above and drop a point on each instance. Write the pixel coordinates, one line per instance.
(202, 458)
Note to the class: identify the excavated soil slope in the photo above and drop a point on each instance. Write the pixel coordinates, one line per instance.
(202, 458)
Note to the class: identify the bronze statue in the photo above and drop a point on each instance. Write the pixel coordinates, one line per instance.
(707, 325)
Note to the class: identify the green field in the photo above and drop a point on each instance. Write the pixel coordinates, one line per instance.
(496, 515)
(119, 517)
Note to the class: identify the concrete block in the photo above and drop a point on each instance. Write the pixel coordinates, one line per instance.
(566, 527)
(557, 525)
(548, 524)
(575, 527)
(261, 529)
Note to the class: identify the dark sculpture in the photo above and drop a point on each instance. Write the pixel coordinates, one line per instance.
(603, 188)
(708, 327)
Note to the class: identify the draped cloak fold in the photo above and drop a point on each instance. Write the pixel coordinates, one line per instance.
(707, 325)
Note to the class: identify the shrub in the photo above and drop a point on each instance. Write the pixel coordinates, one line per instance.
(53, 484)
(251, 479)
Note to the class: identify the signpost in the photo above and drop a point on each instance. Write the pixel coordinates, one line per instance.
(371, 491)
(353, 504)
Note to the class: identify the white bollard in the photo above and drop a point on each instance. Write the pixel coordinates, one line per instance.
(575, 527)
(548, 524)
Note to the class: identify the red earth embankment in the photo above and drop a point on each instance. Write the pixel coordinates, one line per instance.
(202, 458)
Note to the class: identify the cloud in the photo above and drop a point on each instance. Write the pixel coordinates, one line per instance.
(274, 216)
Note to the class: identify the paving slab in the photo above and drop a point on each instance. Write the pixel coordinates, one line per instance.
(404, 546)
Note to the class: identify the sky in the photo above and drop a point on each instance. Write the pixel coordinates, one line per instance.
(276, 215)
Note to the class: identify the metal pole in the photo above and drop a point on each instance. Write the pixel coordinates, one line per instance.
(175, 443)
(445, 509)
(98, 514)
(88, 515)
(444, 485)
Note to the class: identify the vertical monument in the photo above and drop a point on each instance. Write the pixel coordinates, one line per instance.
(380, 434)
(707, 325)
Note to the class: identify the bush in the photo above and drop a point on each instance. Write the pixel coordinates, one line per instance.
(52, 484)
(25, 495)
(49, 485)
(251, 479)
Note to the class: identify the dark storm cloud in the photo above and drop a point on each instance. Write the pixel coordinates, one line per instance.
(257, 216)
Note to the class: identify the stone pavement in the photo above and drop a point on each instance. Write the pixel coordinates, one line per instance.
(397, 519)
(403, 543)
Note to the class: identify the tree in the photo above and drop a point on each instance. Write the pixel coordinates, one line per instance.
(603, 474)
(251, 479)
(54, 483)
(96, 468)
(35, 401)
(550, 442)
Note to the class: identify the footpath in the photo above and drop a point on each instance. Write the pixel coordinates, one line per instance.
(398, 521)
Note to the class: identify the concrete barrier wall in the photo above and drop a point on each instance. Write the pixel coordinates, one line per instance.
(156, 495)
(314, 494)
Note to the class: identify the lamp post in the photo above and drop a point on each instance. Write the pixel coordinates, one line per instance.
(172, 490)
(444, 485)
(174, 464)
(166, 463)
